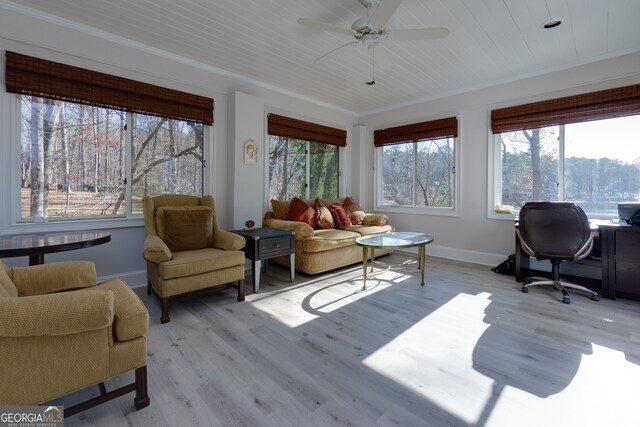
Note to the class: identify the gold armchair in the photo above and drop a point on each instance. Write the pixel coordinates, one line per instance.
(61, 331)
(186, 251)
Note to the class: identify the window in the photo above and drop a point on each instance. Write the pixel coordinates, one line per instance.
(303, 158)
(595, 164)
(416, 166)
(73, 159)
(582, 148)
(93, 145)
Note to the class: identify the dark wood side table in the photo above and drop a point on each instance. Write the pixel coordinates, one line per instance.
(265, 243)
(36, 245)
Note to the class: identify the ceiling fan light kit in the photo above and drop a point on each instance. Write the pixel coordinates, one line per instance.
(371, 30)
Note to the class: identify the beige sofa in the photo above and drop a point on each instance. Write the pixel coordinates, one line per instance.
(320, 250)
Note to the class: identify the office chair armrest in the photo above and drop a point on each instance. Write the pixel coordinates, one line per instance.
(523, 244)
(585, 250)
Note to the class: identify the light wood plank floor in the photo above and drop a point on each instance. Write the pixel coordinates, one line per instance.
(468, 349)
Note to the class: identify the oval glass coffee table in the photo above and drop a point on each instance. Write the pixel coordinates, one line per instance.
(395, 240)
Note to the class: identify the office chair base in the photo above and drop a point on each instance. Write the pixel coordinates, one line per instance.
(557, 284)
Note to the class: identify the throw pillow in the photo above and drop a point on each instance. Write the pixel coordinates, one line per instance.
(340, 217)
(355, 212)
(280, 208)
(187, 229)
(375, 220)
(300, 211)
(323, 216)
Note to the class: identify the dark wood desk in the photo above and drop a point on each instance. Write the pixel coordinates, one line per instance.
(36, 245)
(617, 246)
(265, 243)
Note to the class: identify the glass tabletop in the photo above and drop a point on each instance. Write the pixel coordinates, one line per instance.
(402, 239)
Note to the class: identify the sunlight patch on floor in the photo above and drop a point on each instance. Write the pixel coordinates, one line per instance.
(442, 370)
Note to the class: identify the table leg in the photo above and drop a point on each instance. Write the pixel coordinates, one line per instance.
(421, 251)
(256, 267)
(372, 257)
(292, 263)
(365, 259)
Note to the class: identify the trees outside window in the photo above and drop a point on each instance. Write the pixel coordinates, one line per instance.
(419, 174)
(304, 169)
(74, 159)
(595, 164)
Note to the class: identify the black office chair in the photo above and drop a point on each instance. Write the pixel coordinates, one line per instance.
(557, 231)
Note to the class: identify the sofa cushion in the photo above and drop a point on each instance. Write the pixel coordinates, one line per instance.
(365, 230)
(7, 288)
(355, 212)
(340, 217)
(130, 316)
(280, 208)
(300, 211)
(326, 240)
(324, 218)
(189, 263)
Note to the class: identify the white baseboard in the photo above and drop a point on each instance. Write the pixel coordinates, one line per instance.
(135, 279)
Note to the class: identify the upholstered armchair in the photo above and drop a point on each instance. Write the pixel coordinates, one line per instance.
(186, 251)
(61, 331)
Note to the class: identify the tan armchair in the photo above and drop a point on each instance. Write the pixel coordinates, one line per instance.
(61, 331)
(186, 251)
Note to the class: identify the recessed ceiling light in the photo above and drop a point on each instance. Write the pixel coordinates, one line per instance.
(552, 24)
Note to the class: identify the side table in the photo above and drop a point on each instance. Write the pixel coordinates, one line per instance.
(265, 243)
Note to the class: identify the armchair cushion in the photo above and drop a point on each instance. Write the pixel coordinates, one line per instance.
(130, 316)
(190, 263)
(54, 277)
(185, 228)
(7, 287)
(57, 314)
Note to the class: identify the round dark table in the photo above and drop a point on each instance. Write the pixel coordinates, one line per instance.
(37, 244)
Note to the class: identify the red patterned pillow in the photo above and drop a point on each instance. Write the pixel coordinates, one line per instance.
(340, 217)
(300, 211)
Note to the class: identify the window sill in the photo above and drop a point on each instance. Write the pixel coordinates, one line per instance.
(72, 225)
(419, 211)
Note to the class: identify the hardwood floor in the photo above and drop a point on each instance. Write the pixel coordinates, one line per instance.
(467, 349)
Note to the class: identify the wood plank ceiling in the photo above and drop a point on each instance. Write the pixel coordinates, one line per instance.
(490, 41)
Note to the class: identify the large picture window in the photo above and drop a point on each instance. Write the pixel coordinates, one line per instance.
(93, 144)
(304, 158)
(582, 148)
(417, 165)
(74, 159)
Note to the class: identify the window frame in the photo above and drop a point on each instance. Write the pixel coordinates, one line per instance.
(419, 210)
(13, 223)
(495, 177)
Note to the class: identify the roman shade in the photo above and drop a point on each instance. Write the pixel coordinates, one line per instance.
(605, 104)
(27, 75)
(287, 127)
(441, 128)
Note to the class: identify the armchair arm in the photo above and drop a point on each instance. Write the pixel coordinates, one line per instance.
(155, 250)
(56, 314)
(227, 240)
(54, 277)
(301, 229)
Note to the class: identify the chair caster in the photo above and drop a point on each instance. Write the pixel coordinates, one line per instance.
(595, 297)
(525, 289)
(566, 300)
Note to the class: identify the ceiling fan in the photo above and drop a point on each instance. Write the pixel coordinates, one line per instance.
(371, 31)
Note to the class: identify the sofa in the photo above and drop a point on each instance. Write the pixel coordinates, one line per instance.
(320, 247)
(61, 331)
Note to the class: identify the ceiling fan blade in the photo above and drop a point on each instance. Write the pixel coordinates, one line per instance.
(319, 25)
(383, 12)
(418, 34)
(331, 52)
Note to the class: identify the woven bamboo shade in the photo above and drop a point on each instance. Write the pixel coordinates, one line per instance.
(287, 127)
(441, 128)
(27, 75)
(605, 104)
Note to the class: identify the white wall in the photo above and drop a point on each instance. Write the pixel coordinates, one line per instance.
(239, 115)
(473, 236)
